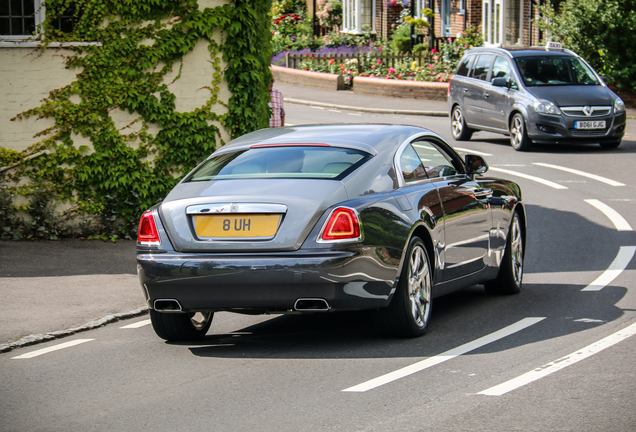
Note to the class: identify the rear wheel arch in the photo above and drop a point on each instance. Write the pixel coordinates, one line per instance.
(426, 237)
(521, 210)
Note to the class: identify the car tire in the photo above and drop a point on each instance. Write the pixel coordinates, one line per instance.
(510, 274)
(460, 131)
(180, 327)
(410, 309)
(610, 145)
(518, 134)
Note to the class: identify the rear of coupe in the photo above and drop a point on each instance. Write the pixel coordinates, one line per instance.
(264, 228)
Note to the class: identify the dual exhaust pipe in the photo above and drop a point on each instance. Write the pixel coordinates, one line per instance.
(301, 305)
(312, 305)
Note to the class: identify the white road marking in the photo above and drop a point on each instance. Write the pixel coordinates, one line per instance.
(622, 260)
(619, 221)
(136, 325)
(529, 177)
(464, 150)
(448, 355)
(51, 349)
(581, 173)
(561, 363)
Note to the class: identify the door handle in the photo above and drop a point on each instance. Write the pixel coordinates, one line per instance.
(486, 95)
(481, 192)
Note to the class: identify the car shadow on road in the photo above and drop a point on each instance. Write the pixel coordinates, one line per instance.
(626, 147)
(557, 271)
(458, 318)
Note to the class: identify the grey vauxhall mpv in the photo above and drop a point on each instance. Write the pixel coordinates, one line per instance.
(534, 95)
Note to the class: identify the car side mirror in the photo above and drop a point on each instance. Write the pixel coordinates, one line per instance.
(500, 82)
(475, 165)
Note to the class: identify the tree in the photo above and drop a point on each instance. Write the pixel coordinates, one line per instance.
(601, 31)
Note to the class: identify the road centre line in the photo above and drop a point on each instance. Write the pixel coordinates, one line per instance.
(581, 173)
(448, 355)
(464, 150)
(136, 325)
(529, 177)
(620, 263)
(619, 221)
(51, 349)
(561, 363)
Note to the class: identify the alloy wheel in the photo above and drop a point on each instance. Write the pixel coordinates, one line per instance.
(419, 286)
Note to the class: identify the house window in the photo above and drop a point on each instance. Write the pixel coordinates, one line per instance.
(492, 21)
(358, 16)
(19, 19)
(514, 18)
(419, 5)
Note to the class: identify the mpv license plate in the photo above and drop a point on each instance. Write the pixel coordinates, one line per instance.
(589, 124)
(237, 226)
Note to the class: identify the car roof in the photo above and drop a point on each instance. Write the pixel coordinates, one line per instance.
(371, 138)
(519, 51)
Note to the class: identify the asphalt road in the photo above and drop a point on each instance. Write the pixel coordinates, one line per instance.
(557, 357)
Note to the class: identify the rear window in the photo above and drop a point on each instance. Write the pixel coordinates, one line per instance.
(464, 66)
(281, 162)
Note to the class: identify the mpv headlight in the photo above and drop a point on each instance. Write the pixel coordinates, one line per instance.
(546, 107)
(619, 105)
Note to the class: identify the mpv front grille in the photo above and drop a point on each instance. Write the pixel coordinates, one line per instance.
(587, 111)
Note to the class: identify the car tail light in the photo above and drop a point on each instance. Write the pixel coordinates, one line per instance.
(343, 224)
(148, 230)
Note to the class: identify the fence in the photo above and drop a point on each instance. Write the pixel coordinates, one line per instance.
(294, 60)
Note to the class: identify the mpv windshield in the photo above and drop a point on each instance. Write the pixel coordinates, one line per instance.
(306, 161)
(551, 71)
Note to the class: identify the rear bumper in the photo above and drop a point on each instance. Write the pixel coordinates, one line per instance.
(352, 279)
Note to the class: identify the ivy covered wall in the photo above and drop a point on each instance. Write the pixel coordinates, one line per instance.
(158, 85)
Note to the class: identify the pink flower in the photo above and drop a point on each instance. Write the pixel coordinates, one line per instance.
(433, 50)
(431, 66)
(372, 66)
(349, 71)
(399, 76)
(435, 58)
(276, 22)
(313, 58)
(379, 61)
(332, 61)
(391, 70)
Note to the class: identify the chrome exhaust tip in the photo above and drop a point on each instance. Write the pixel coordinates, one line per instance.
(167, 305)
(312, 305)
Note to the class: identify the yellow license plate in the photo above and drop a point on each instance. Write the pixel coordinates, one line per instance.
(236, 226)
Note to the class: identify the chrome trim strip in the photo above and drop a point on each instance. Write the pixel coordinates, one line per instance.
(217, 208)
(586, 111)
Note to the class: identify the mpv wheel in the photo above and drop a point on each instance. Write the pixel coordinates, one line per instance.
(518, 135)
(461, 132)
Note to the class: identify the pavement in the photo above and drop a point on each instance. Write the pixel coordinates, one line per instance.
(52, 289)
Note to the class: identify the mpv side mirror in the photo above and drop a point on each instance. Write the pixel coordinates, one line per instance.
(475, 165)
(500, 82)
